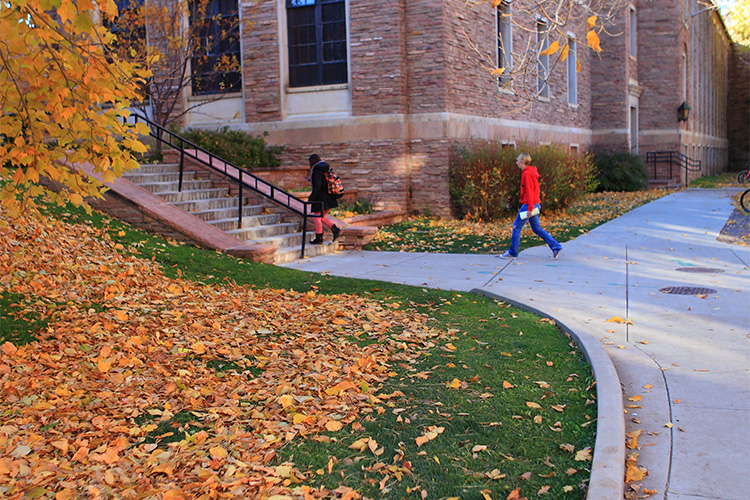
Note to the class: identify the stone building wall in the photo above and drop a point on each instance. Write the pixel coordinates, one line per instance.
(739, 107)
(261, 65)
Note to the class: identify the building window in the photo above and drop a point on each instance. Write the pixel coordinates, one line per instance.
(633, 41)
(216, 55)
(572, 71)
(129, 26)
(505, 43)
(317, 42)
(634, 130)
(543, 62)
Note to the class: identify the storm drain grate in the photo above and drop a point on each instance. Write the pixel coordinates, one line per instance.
(686, 290)
(709, 270)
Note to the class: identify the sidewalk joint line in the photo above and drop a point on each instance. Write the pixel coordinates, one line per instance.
(627, 295)
(740, 258)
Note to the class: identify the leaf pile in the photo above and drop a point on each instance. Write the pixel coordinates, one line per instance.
(425, 234)
(91, 409)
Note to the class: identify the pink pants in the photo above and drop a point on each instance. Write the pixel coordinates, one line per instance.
(319, 221)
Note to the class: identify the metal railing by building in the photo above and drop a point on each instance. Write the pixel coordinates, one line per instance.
(672, 159)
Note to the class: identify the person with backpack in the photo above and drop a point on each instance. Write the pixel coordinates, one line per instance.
(320, 172)
(530, 206)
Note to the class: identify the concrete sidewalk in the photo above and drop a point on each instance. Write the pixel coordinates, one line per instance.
(680, 372)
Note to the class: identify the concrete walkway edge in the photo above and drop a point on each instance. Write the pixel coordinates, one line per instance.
(608, 466)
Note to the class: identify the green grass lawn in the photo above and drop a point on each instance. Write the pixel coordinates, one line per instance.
(504, 402)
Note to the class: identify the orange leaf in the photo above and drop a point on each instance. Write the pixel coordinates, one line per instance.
(593, 40)
(218, 453)
(634, 473)
(551, 49)
(334, 425)
(565, 52)
(104, 365)
(174, 494)
(61, 445)
(9, 349)
(453, 384)
(65, 494)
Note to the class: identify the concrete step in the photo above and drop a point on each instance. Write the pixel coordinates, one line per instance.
(229, 213)
(252, 221)
(195, 195)
(155, 168)
(210, 204)
(149, 178)
(290, 254)
(173, 186)
(260, 233)
(664, 184)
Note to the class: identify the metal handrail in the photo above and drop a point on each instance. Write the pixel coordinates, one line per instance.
(673, 158)
(233, 172)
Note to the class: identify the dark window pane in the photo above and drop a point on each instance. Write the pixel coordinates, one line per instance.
(334, 73)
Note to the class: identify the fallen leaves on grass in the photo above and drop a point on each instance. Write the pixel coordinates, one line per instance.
(127, 350)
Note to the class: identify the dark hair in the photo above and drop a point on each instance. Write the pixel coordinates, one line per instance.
(313, 159)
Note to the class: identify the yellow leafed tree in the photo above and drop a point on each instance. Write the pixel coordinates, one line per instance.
(64, 97)
(738, 21)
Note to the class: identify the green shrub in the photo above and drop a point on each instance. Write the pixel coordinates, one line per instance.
(361, 205)
(237, 147)
(620, 172)
(485, 181)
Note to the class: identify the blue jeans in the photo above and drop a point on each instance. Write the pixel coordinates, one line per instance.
(515, 240)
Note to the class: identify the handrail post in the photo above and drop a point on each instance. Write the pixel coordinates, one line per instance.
(304, 232)
(182, 167)
(671, 164)
(239, 204)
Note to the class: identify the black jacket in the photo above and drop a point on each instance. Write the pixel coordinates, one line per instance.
(320, 186)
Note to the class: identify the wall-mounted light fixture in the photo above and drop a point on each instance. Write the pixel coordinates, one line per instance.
(683, 112)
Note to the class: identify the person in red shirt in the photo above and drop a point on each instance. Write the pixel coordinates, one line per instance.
(530, 206)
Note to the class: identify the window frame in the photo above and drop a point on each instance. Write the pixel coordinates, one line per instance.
(572, 70)
(542, 39)
(505, 42)
(633, 32)
(331, 46)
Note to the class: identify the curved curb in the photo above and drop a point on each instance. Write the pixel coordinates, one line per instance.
(608, 466)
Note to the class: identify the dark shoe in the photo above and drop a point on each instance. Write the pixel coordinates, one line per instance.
(336, 231)
(555, 254)
(318, 240)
